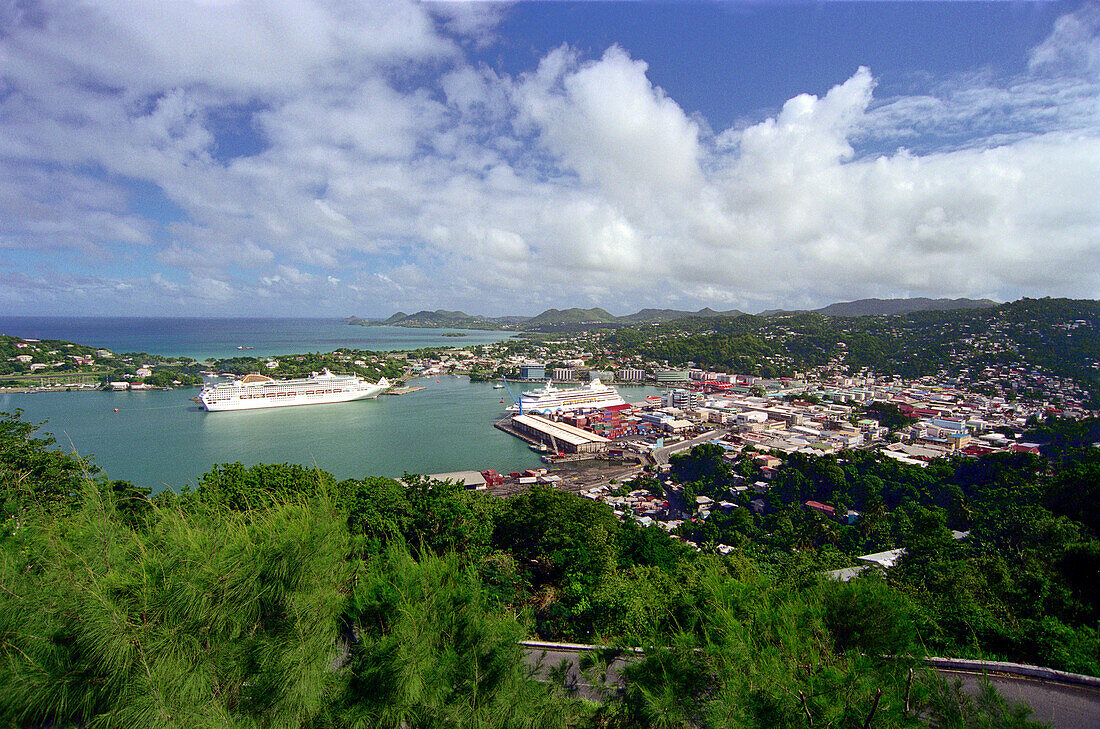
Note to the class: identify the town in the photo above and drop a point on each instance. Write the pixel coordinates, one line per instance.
(616, 455)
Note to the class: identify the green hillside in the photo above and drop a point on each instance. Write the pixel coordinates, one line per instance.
(274, 595)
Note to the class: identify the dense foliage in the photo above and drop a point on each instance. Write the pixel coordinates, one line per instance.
(341, 361)
(276, 596)
(1002, 552)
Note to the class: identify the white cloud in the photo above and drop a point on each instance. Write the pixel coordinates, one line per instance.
(1073, 45)
(609, 124)
(390, 172)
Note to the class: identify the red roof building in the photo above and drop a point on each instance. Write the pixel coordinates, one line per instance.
(821, 508)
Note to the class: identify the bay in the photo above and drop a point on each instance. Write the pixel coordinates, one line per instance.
(201, 338)
(159, 439)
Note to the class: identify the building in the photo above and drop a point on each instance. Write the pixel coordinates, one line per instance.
(601, 375)
(821, 508)
(563, 374)
(560, 436)
(532, 371)
(682, 399)
(631, 374)
(469, 479)
(670, 377)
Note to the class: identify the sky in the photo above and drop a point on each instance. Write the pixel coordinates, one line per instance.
(344, 157)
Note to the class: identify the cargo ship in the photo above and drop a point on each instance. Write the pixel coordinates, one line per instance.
(259, 391)
(552, 400)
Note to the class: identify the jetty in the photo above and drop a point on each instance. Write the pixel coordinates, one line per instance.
(403, 390)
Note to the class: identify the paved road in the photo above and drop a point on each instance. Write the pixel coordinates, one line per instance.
(1062, 706)
(660, 455)
(569, 664)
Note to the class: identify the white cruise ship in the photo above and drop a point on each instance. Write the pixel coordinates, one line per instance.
(257, 391)
(552, 400)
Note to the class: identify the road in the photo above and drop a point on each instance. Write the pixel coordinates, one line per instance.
(1060, 705)
(660, 455)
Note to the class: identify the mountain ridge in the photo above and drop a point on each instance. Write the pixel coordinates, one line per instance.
(575, 316)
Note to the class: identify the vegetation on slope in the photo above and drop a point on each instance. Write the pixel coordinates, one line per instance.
(1058, 336)
(277, 596)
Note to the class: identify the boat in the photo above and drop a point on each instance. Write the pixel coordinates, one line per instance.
(552, 400)
(259, 391)
(498, 386)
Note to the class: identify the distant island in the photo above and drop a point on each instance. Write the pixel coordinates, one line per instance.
(577, 318)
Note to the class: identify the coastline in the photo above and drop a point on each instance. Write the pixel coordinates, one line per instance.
(74, 388)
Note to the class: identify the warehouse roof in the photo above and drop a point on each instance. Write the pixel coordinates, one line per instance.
(560, 431)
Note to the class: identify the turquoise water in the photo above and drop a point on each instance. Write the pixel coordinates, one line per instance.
(219, 338)
(159, 439)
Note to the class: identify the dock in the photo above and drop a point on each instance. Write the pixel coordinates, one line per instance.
(537, 430)
(403, 390)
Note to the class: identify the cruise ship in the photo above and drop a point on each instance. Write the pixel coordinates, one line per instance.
(552, 400)
(258, 391)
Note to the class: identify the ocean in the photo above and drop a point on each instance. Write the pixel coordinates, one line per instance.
(219, 338)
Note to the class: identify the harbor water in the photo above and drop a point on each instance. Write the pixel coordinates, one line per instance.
(160, 439)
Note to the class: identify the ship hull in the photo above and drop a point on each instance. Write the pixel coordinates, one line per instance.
(255, 392)
(551, 400)
(257, 403)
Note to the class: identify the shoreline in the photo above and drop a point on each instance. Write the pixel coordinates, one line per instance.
(75, 388)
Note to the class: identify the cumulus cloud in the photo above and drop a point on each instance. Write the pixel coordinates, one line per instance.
(368, 165)
(608, 123)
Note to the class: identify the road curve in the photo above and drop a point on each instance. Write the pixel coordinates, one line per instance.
(1063, 706)
(1065, 701)
(660, 455)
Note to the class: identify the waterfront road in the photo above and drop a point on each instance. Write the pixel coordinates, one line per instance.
(660, 455)
(1062, 705)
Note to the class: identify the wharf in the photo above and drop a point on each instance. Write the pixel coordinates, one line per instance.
(505, 424)
(559, 436)
(403, 390)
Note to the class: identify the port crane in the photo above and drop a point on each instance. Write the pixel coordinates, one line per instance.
(516, 400)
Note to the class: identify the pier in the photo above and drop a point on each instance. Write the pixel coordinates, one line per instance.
(563, 438)
(403, 390)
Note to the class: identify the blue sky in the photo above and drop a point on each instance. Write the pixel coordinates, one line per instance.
(285, 157)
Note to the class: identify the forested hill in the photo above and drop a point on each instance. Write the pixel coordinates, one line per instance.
(886, 307)
(579, 319)
(273, 595)
(1060, 336)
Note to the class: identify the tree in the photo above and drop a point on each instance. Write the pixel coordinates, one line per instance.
(200, 620)
(33, 475)
(432, 652)
(239, 488)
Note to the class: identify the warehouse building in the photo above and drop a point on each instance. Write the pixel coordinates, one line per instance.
(559, 436)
